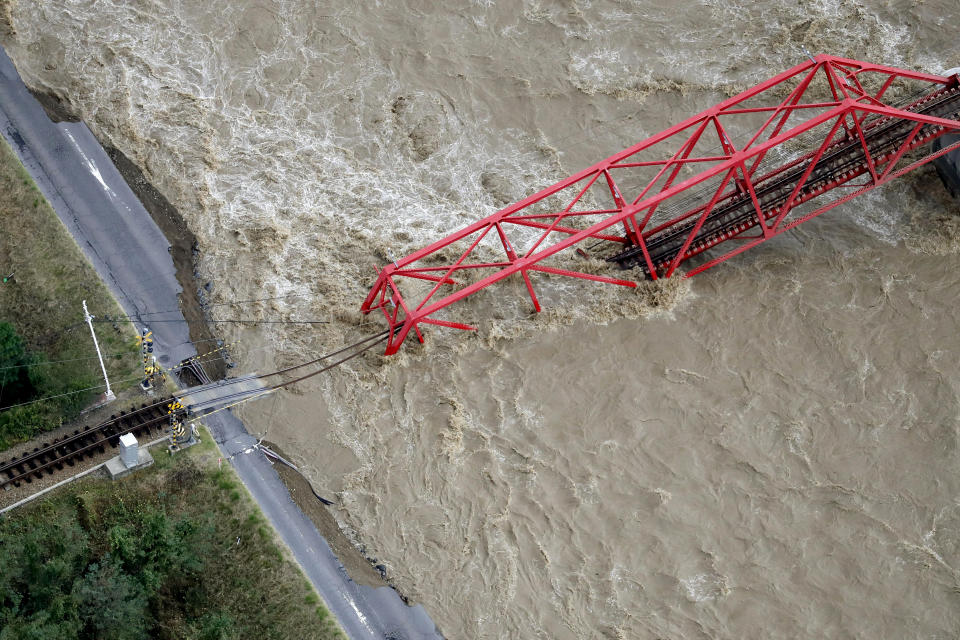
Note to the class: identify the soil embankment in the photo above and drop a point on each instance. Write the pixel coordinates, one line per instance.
(183, 250)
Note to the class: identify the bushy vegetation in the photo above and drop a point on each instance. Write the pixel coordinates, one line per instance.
(45, 347)
(176, 552)
(26, 376)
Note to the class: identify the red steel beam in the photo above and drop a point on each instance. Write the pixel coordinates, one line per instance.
(726, 173)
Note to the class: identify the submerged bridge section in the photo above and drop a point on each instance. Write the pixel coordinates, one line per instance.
(736, 175)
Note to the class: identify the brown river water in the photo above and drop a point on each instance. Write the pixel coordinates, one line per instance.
(769, 450)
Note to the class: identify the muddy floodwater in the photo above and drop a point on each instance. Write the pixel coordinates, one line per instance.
(769, 450)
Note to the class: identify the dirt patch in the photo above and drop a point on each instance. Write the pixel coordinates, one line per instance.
(58, 110)
(6, 18)
(183, 250)
(361, 569)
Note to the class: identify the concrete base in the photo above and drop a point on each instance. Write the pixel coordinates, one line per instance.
(117, 469)
(103, 400)
(173, 448)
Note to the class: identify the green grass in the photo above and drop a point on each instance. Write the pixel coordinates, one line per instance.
(42, 301)
(155, 555)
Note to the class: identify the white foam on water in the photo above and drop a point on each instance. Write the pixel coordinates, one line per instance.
(703, 587)
(613, 465)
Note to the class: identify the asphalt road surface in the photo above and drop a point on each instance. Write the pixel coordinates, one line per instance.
(131, 255)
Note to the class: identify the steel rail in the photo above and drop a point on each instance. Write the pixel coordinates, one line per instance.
(80, 434)
(741, 212)
(795, 114)
(78, 445)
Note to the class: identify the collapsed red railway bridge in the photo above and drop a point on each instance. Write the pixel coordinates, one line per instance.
(748, 169)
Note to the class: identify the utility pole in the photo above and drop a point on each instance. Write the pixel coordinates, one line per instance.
(108, 396)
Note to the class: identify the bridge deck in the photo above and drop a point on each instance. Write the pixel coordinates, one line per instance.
(734, 214)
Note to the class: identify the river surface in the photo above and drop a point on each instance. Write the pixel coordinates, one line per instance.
(769, 450)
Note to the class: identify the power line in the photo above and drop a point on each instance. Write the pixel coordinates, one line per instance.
(225, 304)
(382, 335)
(61, 395)
(338, 362)
(45, 362)
(114, 355)
(372, 339)
(377, 339)
(232, 321)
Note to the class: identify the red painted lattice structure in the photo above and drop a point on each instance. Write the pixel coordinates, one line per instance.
(737, 174)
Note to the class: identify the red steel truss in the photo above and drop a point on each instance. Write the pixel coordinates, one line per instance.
(744, 171)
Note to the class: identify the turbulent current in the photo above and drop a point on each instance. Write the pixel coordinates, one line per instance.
(769, 450)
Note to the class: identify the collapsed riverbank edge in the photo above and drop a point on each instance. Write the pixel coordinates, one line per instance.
(183, 251)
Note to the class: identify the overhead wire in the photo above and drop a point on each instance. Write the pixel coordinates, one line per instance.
(377, 338)
(61, 395)
(46, 362)
(231, 321)
(225, 304)
(335, 364)
(381, 335)
(271, 389)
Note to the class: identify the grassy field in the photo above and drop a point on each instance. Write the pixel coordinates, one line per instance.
(176, 551)
(41, 317)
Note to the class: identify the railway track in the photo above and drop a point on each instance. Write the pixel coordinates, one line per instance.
(66, 451)
(152, 419)
(735, 213)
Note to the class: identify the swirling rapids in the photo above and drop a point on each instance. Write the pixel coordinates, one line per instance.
(770, 452)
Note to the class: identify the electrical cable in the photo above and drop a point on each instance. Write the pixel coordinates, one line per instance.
(377, 338)
(237, 321)
(281, 385)
(331, 366)
(224, 304)
(114, 355)
(46, 362)
(61, 395)
(379, 335)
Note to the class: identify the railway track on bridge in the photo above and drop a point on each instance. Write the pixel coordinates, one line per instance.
(736, 214)
(62, 454)
(745, 170)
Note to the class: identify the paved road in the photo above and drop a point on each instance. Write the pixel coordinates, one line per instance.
(91, 198)
(131, 255)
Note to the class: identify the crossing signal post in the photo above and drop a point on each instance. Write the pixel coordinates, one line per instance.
(151, 370)
(180, 435)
